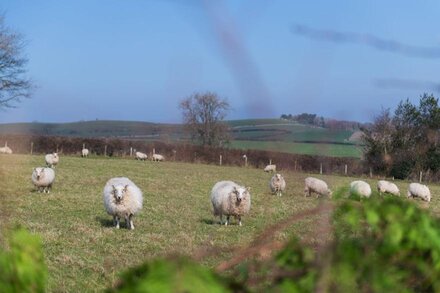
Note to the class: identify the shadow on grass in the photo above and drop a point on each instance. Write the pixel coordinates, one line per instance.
(209, 221)
(105, 222)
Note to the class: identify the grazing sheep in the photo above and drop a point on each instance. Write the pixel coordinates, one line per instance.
(277, 184)
(158, 158)
(5, 150)
(140, 156)
(230, 199)
(270, 168)
(384, 186)
(317, 186)
(52, 159)
(419, 190)
(360, 188)
(43, 179)
(84, 152)
(122, 199)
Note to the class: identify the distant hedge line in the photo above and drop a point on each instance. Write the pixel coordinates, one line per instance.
(183, 153)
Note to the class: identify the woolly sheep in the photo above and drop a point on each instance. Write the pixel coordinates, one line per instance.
(419, 190)
(52, 159)
(84, 152)
(43, 179)
(140, 156)
(270, 168)
(277, 184)
(384, 186)
(360, 188)
(5, 150)
(317, 186)
(122, 199)
(157, 158)
(230, 199)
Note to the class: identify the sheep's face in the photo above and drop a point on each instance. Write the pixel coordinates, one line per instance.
(278, 177)
(241, 193)
(119, 192)
(55, 155)
(39, 173)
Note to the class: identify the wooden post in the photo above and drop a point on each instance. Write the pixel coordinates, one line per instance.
(84, 145)
(174, 154)
(131, 151)
(220, 160)
(154, 151)
(270, 161)
(32, 147)
(345, 171)
(105, 151)
(6, 144)
(245, 161)
(420, 178)
(295, 165)
(57, 149)
(320, 169)
(371, 172)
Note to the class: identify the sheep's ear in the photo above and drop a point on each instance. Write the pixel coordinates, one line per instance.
(125, 188)
(114, 188)
(42, 170)
(234, 189)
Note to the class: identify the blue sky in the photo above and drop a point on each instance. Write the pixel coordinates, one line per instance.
(136, 59)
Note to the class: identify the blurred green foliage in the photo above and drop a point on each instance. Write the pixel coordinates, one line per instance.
(22, 267)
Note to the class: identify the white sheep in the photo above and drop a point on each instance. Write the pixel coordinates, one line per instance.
(158, 158)
(122, 199)
(43, 179)
(230, 199)
(419, 190)
(384, 186)
(360, 188)
(5, 150)
(52, 159)
(84, 152)
(270, 168)
(140, 156)
(317, 186)
(277, 184)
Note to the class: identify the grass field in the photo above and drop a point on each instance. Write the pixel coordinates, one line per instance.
(84, 253)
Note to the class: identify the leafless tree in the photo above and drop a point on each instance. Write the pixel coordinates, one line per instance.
(14, 85)
(203, 116)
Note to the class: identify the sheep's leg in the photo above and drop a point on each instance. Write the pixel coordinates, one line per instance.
(221, 219)
(130, 219)
(116, 221)
(239, 220)
(227, 220)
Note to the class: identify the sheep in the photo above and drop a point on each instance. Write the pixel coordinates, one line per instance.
(230, 199)
(360, 188)
(277, 184)
(84, 152)
(122, 198)
(5, 150)
(419, 190)
(52, 159)
(158, 158)
(384, 186)
(141, 156)
(317, 186)
(270, 168)
(43, 178)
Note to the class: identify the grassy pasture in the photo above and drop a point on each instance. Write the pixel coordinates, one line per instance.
(84, 253)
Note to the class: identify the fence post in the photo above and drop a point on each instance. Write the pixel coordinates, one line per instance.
(245, 161)
(154, 151)
(105, 151)
(420, 178)
(32, 147)
(345, 171)
(6, 143)
(174, 154)
(270, 161)
(371, 172)
(84, 145)
(295, 165)
(131, 151)
(220, 160)
(320, 169)
(57, 149)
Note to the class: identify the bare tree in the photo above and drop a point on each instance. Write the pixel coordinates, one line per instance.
(14, 85)
(203, 116)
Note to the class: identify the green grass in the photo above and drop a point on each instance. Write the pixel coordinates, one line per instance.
(322, 149)
(84, 253)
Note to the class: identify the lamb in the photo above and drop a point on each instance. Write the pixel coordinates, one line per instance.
(52, 159)
(43, 179)
(5, 150)
(317, 186)
(84, 152)
(122, 199)
(384, 186)
(277, 184)
(270, 168)
(419, 190)
(158, 158)
(230, 199)
(360, 188)
(140, 156)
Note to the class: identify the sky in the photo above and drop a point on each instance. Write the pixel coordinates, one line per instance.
(136, 59)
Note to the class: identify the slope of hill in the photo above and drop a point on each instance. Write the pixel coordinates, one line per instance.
(265, 134)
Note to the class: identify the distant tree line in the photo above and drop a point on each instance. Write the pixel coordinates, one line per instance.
(313, 119)
(405, 142)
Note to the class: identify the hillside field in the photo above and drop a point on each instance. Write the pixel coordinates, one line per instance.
(84, 253)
